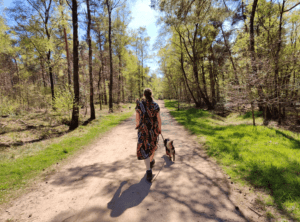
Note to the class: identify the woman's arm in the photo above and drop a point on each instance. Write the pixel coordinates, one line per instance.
(137, 119)
(159, 121)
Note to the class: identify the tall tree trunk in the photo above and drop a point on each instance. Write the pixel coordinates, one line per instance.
(67, 51)
(119, 79)
(139, 79)
(75, 114)
(276, 76)
(123, 95)
(253, 60)
(99, 88)
(230, 56)
(142, 67)
(51, 77)
(109, 9)
(101, 74)
(43, 71)
(184, 74)
(105, 93)
(68, 58)
(92, 107)
(212, 84)
(253, 117)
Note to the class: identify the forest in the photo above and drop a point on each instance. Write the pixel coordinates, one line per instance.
(218, 55)
(45, 65)
(232, 55)
(227, 70)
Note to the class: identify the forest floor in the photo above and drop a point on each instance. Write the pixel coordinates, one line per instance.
(106, 182)
(37, 125)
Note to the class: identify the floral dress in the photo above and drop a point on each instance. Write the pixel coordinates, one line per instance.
(148, 130)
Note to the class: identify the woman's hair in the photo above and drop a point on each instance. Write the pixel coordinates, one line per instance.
(148, 94)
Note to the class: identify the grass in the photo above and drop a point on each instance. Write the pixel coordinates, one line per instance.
(254, 155)
(16, 173)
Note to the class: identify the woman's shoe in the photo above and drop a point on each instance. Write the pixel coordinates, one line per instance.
(152, 163)
(149, 175)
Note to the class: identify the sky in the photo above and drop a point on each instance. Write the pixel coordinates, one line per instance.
(143, 16)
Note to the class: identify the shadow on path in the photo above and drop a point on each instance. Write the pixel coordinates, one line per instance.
(129, 198)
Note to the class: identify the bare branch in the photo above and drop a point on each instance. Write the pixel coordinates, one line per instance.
(69, 4)
(292, 7)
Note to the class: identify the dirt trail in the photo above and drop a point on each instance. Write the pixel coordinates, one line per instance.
(107, 183)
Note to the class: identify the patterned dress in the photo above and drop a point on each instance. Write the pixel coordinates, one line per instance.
(147, 129)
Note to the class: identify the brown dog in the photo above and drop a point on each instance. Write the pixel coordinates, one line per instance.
(170, 149)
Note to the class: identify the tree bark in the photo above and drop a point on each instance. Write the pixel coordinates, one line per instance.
(109, 9)
(101, 72)
(68, 58)
(43, 72)
(184, 74)
(51, 77)
(92, 107)
(67, 52)
(276, 76)
(230, 56)
(253, 117)
(75, 114)
(119, 78)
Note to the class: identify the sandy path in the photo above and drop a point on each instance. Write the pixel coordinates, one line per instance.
(100, 185)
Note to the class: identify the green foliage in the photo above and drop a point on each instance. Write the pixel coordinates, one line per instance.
(249, 114)
(8, 106)
(63, 102)
(258, 155)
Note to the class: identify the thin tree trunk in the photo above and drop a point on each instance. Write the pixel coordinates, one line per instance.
(230, 56)
(68, 58)
(253, 59)
(184, 74)
(99, 89)
(100, 72)
(67, 51)
(92, 107)
(142, 67)
(110, 57)
(51, 78)
(119, 79)
(105, 93)
(253, 117)
(75, 114)
(123, 95)
(276, 76)
(43, 72)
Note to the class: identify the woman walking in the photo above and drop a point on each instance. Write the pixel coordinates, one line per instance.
(148, 123)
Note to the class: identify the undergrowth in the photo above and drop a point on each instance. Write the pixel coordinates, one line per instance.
(261, 156)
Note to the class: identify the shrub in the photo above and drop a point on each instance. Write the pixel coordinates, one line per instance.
(8, 106)
(64, 102)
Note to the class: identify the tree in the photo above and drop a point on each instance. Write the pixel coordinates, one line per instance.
(75, 114)
(121, 40)
(111, 4)
(34, 22)
(64, 24)
(90, 60)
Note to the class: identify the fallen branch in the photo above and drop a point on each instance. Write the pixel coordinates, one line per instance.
(22, 122)
(255, 212)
